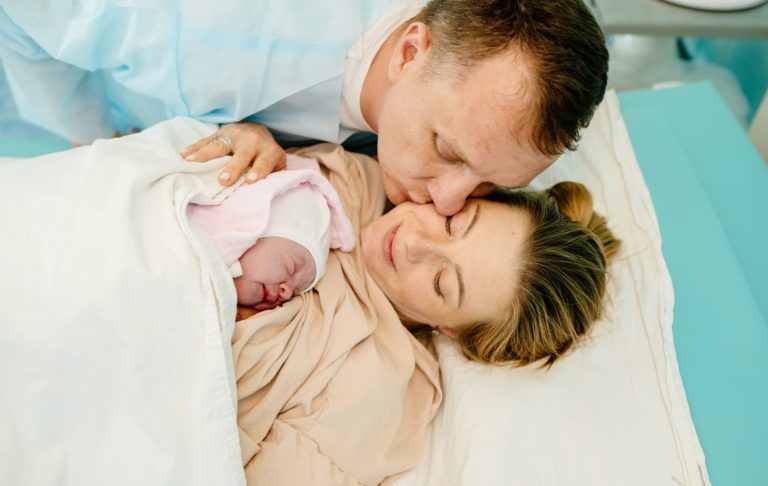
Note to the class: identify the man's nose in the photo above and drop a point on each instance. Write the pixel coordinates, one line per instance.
(450, 193)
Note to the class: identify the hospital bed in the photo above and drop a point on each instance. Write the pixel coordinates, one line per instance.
(709, 190)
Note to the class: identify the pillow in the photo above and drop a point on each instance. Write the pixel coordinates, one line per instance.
(612, 411)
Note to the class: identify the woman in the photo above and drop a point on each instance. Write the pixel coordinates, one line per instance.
(512, 279)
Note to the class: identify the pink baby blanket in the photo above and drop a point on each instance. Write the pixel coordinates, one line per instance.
(239, 220)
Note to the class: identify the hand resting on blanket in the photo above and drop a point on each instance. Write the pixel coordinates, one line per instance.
(250, 144)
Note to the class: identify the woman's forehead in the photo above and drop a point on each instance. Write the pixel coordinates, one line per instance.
(490, 270)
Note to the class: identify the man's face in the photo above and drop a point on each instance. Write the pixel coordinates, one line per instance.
(443, 139)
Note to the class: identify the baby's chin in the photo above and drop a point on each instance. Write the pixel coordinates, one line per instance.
(262, 306)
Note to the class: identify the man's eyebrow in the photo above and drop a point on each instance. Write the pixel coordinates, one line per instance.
(459, 279)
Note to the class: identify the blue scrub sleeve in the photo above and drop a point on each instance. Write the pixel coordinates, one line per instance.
(56, 96)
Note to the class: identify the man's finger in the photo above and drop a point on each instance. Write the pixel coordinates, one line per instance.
(265, 164)
(211, 150)
(235, 167)
(190, 150)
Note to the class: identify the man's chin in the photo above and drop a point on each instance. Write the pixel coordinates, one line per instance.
(394, 196)
(393, 192)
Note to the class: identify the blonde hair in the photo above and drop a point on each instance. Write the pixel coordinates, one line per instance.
(561, 280)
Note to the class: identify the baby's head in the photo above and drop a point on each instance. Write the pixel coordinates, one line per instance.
(290, 256)
(274, 270)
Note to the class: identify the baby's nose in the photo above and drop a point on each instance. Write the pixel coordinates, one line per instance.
(284, 291)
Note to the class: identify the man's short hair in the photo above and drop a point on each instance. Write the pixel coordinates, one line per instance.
(560, 39)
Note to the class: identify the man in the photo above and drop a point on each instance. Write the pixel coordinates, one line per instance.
(465, 95)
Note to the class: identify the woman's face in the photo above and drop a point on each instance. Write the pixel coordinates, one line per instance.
(447, 272)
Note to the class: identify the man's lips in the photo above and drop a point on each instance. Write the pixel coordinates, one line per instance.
(388, 245)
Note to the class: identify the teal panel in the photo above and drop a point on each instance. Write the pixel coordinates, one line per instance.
(710, 191)
(30, 148)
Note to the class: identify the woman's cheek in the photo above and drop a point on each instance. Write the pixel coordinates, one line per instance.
(414, 299)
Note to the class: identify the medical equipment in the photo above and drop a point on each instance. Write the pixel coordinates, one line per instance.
(718, 5)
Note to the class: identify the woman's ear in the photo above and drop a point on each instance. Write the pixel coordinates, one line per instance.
(412, 45)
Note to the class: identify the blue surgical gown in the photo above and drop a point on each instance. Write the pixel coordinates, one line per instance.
(85, 69)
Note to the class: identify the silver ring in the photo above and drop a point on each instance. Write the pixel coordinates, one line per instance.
(225, 140)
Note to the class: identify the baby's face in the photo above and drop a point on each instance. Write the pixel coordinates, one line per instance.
(274, 270)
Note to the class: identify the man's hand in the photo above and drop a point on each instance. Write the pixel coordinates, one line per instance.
(250, 144)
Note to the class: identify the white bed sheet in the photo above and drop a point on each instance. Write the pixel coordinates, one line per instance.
(612, 412)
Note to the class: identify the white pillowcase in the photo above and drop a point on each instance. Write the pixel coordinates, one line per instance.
(613, 411)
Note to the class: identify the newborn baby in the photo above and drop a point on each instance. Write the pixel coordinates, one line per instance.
(275, 235)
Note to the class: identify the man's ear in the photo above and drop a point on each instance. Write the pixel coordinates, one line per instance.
(412, 45)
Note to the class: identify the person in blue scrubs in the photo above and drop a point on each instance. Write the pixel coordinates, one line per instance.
(465, 95)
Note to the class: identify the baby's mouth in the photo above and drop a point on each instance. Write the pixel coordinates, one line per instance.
(269, 297)
(269, 300)
(264, 293)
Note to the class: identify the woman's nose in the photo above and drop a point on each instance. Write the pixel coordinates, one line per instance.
(418, 245)
(285, 291)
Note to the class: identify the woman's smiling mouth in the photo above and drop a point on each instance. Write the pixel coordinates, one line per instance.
(388, 245)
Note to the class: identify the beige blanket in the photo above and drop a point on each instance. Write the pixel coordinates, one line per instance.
(332, 389)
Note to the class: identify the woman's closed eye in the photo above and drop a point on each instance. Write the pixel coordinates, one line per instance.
(436, 283)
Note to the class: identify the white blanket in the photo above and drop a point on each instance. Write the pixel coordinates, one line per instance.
(115, 320)
(613, 411)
